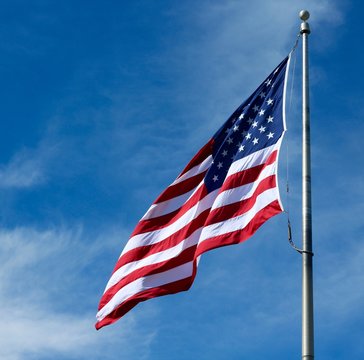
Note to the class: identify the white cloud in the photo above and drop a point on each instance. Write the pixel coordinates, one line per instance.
(228, 47)
(48, 306)
(24, 170)
(31, 167)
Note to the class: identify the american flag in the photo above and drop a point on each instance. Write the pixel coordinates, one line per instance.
(226, 192)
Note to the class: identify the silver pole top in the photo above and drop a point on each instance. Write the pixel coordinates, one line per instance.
(304, 15)
(305, 27)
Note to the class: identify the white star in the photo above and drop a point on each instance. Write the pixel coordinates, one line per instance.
(224, 153)
(270, 119)
(262, 95)
(255, 124)
(230, 140)
(248, 136)
(270, 101)
(276, 70)
(227, 130)
(261, 112)
(270, 135)
(241, 116)
(262, 129)
(256, 108)
(241, 148)
(268, 82)
(255, 141)
(219, 165)
(215, 178)
(236, 128)
(250, 121)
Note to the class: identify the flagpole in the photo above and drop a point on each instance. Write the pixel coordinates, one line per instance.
(307, 283)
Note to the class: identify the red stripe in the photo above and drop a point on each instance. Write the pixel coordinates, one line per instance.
(247, 176)
(272, 157)
(183, 257)
(127, 305)
(163, 221)
(239, 236)
(180, 188)
(144, 251)
(203, 153)
(237, 208)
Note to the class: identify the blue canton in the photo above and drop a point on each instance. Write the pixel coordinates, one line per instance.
(256, 124)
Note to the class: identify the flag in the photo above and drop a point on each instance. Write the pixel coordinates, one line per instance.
(225, 193)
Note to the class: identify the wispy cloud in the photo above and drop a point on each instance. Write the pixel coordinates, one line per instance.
(32, 166)
(47, 304)
(24, 170)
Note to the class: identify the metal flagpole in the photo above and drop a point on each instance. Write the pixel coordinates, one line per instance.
(307, 286)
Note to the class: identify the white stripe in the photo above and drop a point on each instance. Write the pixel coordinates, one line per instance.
(156, 236)
(175, 203)
(154, 258)
(245, 191)
(198, 169)
(284, 95)
(149, 282)
(257, 158)
(284, 121)
(239, 222)
(168, 206)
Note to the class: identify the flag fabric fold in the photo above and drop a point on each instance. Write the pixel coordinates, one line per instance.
(225, 193)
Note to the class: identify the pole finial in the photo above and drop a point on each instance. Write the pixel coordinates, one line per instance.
(305, 27)
(304, 15)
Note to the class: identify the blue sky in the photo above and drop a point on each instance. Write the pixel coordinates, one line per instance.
(102, 104)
